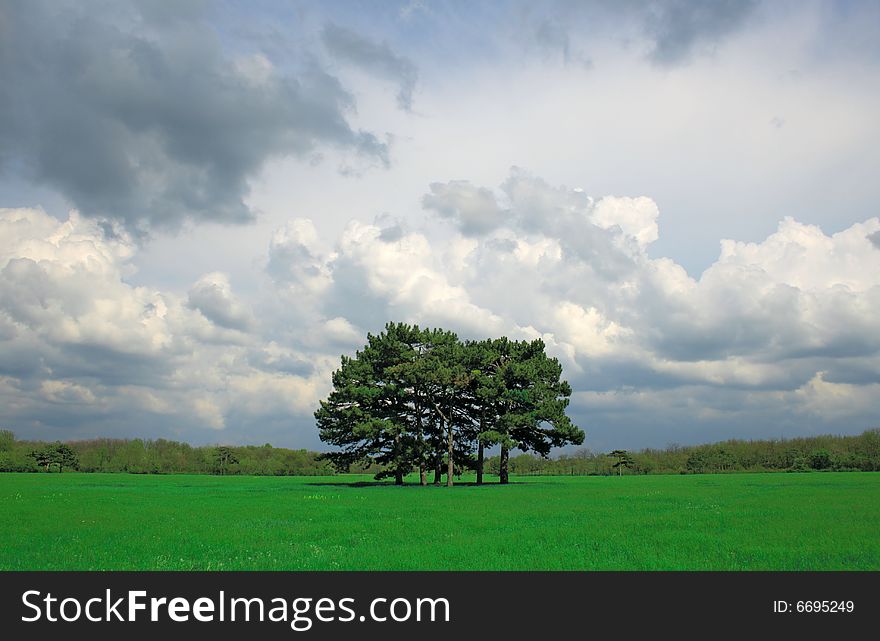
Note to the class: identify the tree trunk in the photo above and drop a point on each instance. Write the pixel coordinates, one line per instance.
(438, 470)
(505, 456)
(423, 472)
(398, 477)
(450, 469)
(480, 455)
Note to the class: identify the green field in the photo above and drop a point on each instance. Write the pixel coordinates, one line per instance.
(820, 521)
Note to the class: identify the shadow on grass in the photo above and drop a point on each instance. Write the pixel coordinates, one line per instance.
(418, 485)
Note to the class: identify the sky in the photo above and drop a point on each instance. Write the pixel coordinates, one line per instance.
(203, 205)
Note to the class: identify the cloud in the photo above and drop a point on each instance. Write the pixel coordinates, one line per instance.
(149, 114)
(775, 336)
(83, 352)
(295, 257)
(212, 296)
(376, 58)
(533, 260)
(413, 8)
(679, 27)
(139, 112)
(473, 209)
(549, 261)
(668, 33)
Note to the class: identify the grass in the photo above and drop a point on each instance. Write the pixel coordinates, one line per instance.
(822, 521)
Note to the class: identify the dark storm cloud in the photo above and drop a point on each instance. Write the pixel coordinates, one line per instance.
(137, 112)
(108, 365)
(376, 58)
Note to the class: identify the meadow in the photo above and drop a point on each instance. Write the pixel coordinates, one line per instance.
(71, 521)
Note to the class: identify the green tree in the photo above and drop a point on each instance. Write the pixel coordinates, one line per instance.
(443, 377)
(529, 401)
(59, 454)
(820, 459)
(44, 457)
(65, 457)
(418, 397)
(421, 376)
(624, 460)
(369, 413)
(7, 441)
(481, 360)
(224, 456)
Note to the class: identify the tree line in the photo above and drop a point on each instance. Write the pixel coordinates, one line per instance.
(160, 456)
(417, 399)
(137, 456)
(814, 453)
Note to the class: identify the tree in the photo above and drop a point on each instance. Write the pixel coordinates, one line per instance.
(528, 399)
(44, 457)
(420, 397)
(372, 412)
(224, 456)
(820, 459)
(481, 360)
(60, 454)
(65, 457)
(442, 376)
(7, 441)
(624, 460)
(429, 379)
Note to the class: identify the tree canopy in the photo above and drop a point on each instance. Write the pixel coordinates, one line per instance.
(58, 454)
(421, 399)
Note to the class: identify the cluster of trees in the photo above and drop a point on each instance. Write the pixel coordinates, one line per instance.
(55, 455)
(827, 452)
(421, 399)
(155, 457)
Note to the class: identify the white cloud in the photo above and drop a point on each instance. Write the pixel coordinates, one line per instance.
(80, 346)
(636, 217)
(781, 328)
(341, 330)
(760, 322)
(163, 335)
(836, 400)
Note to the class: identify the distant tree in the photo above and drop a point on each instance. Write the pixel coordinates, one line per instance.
(65, 457)
(820, 459)
(59, 454)
(44, 457)
(224, 456)
(723, 459)
(800, 462)
(624, 460)
(7, 440)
